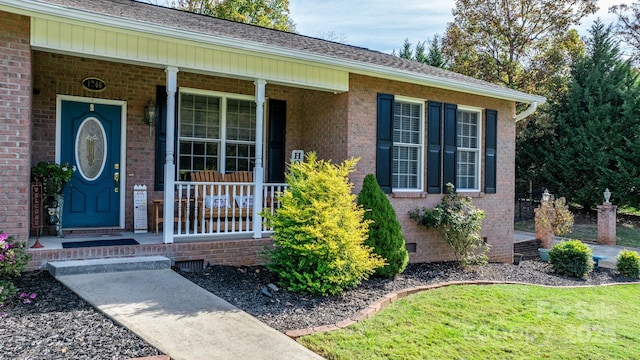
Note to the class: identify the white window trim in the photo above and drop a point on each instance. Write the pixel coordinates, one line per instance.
(480, 112)
(223, 122)
(421, 163)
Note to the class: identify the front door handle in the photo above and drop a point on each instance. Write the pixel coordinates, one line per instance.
(116, 180)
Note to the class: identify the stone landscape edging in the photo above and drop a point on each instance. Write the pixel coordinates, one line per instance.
(387, 299)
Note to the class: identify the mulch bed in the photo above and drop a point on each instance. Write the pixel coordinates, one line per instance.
(60, 325)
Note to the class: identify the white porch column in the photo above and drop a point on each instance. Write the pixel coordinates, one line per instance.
(169, 165)
(258, 171)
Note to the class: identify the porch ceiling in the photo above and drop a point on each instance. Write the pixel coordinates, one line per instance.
(90, 39)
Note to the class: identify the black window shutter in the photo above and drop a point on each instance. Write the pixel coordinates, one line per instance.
(161, 135)
(450, 134)
(384, 143)
(490, 147)
(434, 147)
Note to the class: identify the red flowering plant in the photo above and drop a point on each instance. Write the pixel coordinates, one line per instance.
(13, 260)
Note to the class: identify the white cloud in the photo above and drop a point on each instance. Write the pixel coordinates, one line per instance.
(383, 25)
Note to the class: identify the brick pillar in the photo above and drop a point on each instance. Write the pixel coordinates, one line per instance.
(607, 224)
(15, 124)
(543, 234)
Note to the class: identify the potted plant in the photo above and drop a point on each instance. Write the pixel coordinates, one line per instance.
(53, 178)
(552, 217)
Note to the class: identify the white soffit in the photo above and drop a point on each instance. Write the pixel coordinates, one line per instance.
(111, 43)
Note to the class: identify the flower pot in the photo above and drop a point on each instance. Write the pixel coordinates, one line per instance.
(516, 259)
(544, 254)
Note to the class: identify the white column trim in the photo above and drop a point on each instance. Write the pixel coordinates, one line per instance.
(169, 165)
(258, 171)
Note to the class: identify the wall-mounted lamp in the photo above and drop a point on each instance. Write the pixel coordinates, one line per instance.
(150, 114)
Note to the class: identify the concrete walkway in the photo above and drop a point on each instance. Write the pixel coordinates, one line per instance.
(181, 319)
(608, 251)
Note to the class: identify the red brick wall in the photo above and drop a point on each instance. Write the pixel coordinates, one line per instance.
(326, 125)
(497, 227)
(223, 252)
(15, 124)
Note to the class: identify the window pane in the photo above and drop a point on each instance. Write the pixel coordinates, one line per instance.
(197, 155)
(407, 139)
(468, 138)
(239, 157)
(241, 120)
(199, 131)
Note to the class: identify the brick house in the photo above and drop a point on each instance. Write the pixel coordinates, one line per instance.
(77, 76)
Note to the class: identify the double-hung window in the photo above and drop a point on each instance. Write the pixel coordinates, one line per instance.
(408, 119)
(469, 138)
(216, 132)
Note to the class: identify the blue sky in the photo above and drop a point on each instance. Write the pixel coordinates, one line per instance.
(383, 25)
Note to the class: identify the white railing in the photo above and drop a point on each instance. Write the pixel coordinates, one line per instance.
(221, 208)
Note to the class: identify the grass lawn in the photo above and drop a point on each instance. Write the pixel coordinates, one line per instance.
(494, 322)
(627, 234)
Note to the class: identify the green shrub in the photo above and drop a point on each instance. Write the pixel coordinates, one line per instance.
(319, 231)
(459, 223)
(571, 258)
(628, 263)
(385, 233)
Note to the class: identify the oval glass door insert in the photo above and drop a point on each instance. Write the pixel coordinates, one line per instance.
(91, 149)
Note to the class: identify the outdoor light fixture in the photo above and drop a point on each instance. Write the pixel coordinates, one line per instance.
(545, 195)
(150, 114)
(607, 196)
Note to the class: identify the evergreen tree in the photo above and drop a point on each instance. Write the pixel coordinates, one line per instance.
(435, 56)
(385, 233)
(406, 52)
(596, 139)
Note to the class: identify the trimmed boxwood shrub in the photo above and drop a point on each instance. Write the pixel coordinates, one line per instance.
(319, 231)
(571, 258)
(385, 233)
(628, 264)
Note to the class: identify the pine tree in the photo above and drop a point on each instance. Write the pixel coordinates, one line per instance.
(385, 234)
(435, 56)
(597, 125)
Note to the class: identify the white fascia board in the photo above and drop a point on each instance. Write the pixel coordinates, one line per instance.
(46, 10)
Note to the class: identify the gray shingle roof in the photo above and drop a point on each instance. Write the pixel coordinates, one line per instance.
(210, 26)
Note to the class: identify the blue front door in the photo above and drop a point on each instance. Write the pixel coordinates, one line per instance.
(90, 140)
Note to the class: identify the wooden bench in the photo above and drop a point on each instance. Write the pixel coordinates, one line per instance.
(227, 200)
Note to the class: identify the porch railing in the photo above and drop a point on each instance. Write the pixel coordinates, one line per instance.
(221, 208)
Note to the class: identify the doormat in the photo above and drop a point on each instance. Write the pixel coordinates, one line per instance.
(94, 243)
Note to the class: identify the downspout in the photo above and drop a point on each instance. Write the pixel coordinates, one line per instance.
(532, 107)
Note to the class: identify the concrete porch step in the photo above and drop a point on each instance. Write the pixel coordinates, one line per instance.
(93, 266)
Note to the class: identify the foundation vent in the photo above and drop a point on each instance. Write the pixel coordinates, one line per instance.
(190, 265)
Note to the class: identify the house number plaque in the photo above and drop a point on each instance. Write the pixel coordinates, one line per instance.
(94, 84)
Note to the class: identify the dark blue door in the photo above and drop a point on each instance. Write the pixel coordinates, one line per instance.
(90, 140)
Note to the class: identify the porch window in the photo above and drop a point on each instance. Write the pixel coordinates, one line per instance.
(408, 118)
(216, 132)
(468, 149)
